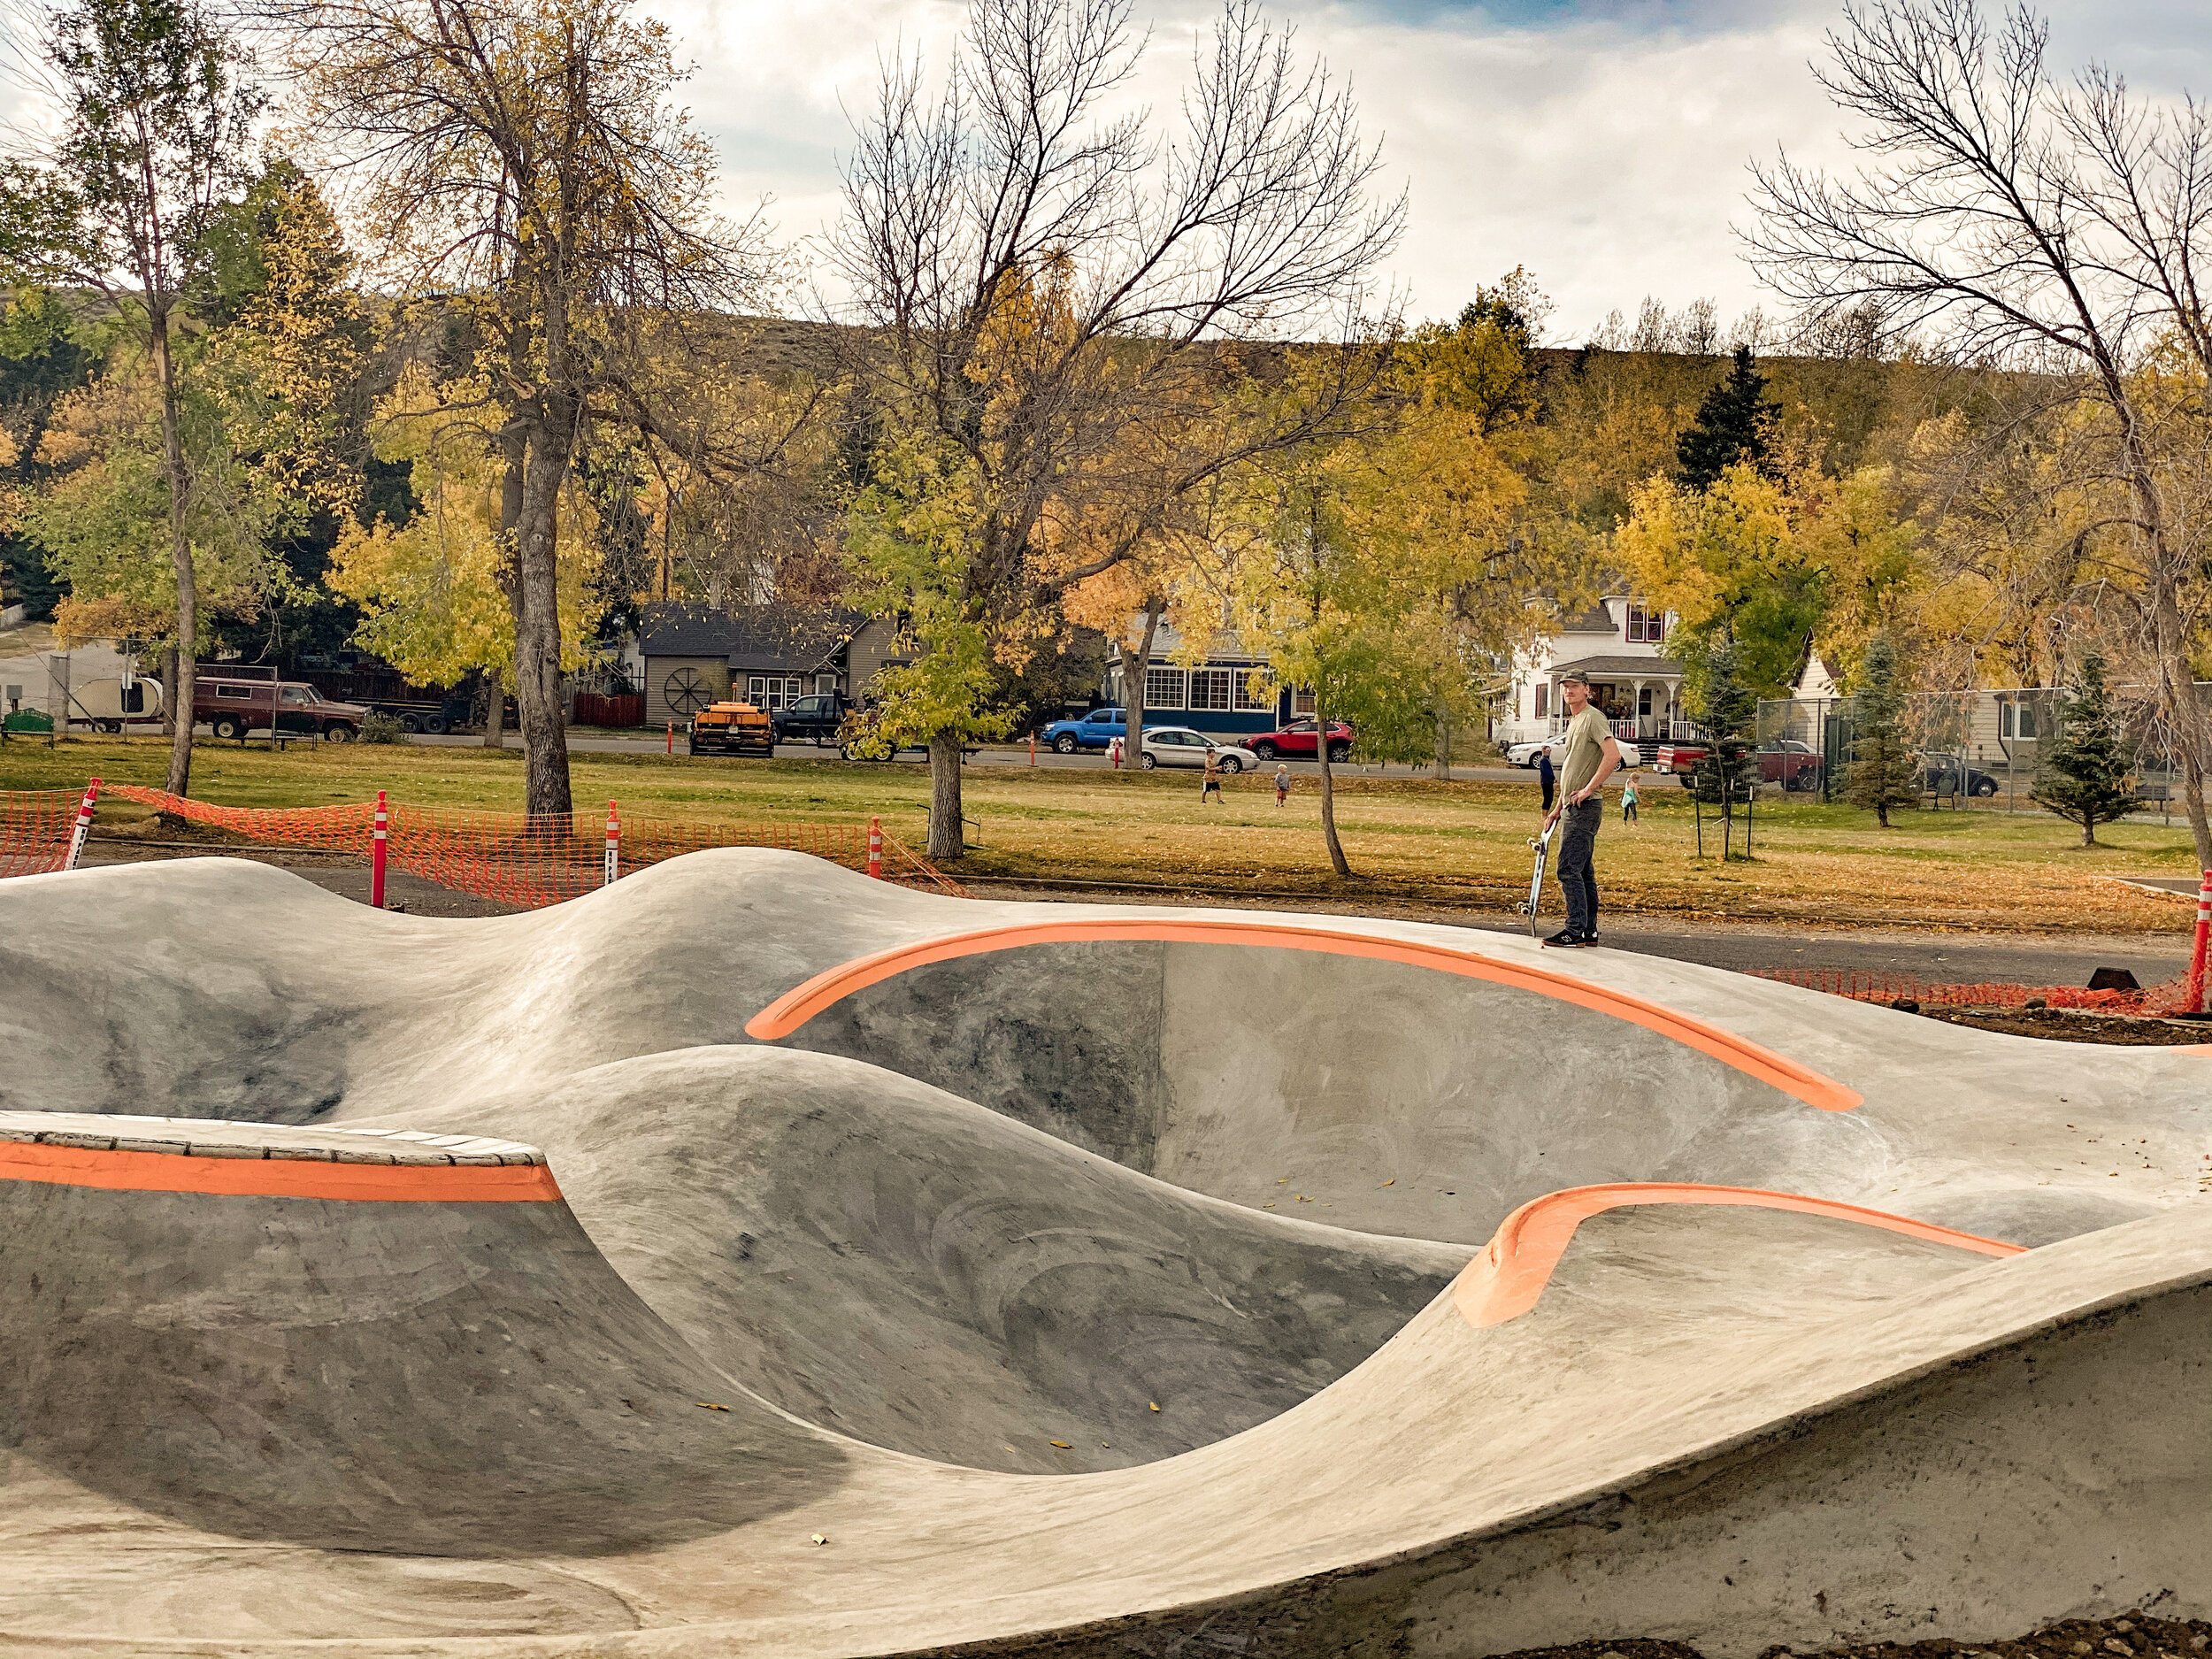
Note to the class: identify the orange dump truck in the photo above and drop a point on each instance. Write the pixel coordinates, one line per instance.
(729, 728)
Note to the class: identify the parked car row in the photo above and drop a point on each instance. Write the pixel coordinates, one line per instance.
(1527, 754)
(1098, 729)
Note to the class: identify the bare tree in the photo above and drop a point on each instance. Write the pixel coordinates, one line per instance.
(158, 108)
(1058, 297)
(2054, 229)
(524, 166)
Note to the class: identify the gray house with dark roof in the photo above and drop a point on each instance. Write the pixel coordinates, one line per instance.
(768, 655)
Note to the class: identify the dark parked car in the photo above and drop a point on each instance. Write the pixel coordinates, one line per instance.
(820, 717)
(1940, 774)
(1095, 729)
(1301, 738)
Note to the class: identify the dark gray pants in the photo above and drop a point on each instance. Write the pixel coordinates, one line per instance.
(1579, 841)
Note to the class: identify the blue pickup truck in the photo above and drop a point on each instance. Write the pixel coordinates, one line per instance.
(1095, 729)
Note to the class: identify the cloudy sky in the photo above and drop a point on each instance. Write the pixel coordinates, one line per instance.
(1603, 145)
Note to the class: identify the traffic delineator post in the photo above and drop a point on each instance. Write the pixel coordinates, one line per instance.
(1032, 749)
(672, 737)
(379, 837)
(84, 824)
(614, 846)
(875, 849)
(2204, 935)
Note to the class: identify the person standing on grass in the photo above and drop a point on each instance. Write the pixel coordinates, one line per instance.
(1628, 802)
(1590, 757)
(1282, 783)
(1545, 776)
(1211, 788)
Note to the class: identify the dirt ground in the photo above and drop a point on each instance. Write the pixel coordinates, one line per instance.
(2134, 1635)
(2070, 1024)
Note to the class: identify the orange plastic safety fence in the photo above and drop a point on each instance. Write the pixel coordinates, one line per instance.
(34, 829)
(1865, 987)
(531, 862)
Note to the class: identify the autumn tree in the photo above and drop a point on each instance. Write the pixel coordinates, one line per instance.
(156, 104)
(2056, 230)
(430, 590)
(1049, 293)
(526, 166)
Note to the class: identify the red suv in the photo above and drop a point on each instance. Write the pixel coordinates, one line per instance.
(1299, 739)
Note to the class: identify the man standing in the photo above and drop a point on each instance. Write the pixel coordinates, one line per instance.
(1591, 757)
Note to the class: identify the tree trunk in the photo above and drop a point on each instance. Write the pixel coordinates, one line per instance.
(1444, 748)
(179, 559)
(495, 710)
(1133, 666)
(948, 842)
(168, 691)
(1337, 859)
(536, 608)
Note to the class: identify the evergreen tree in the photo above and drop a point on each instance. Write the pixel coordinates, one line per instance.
(1735, 424)
(1883, 772)
(1728, 771)
(2082, 771)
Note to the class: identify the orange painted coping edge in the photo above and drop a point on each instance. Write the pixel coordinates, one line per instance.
(797, 1006)
(278, 1178)
(1506, 1280)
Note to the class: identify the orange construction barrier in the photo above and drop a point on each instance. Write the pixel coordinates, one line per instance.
(515, 859)
(38, 829)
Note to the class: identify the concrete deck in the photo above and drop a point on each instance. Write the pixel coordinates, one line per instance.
(1078, 1296)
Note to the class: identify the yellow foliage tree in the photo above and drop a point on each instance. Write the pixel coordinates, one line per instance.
(432, 588)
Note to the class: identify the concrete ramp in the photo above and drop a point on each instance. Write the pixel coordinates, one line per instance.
(1787, 1320)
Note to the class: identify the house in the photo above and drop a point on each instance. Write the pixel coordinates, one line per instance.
(1229, 693)
(1617, 645)
(768, 655)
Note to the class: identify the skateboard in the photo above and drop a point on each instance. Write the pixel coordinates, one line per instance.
(1541, 845)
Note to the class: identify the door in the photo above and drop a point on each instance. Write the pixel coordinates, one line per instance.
(296, 709)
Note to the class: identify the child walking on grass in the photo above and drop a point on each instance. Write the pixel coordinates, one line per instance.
(1282, 783)
(1628, 804)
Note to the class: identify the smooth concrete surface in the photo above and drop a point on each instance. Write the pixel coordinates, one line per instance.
(1012, 1201)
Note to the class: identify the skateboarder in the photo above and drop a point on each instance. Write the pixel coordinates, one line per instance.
(1590, 757)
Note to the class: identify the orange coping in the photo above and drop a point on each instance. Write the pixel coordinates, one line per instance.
(278, 1178)
(797, 1006)
(1506, 1280)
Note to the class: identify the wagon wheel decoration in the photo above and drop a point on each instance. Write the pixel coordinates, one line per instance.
(685, 692)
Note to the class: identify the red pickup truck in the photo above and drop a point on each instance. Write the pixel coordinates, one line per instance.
(235, 706)
(1796, 767)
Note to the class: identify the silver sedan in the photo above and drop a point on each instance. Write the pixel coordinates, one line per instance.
(1181, 746)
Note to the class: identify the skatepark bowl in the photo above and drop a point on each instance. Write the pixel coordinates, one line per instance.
(752, 1257)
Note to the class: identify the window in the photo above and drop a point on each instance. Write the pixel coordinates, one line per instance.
(773, 691)
(298, 694)
(1302, 702)
(239, 693)
(1543, 698)
(1210, 688)
(2018, 720)
(1646, 627)
(1254, 692)
(1163, 687)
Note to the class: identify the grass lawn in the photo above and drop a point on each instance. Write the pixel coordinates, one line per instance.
(1407, 837)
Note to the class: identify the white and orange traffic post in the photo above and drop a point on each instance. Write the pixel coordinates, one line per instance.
(84, 824)
(378, 840)
(2204, 935)
(614, 846)
(875, 849)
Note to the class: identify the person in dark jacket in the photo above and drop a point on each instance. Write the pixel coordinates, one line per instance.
(1546, 776)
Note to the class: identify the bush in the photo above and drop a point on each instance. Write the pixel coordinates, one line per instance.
(382, 728)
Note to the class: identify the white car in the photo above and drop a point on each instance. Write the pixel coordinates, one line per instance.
(1525, 753)
(1179, 746)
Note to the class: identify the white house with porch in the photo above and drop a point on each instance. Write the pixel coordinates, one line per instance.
(1618, 646)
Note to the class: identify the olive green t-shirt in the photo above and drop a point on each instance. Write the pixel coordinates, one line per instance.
(1585, 749)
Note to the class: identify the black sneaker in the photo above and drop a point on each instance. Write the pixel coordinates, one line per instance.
(1565, 936)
